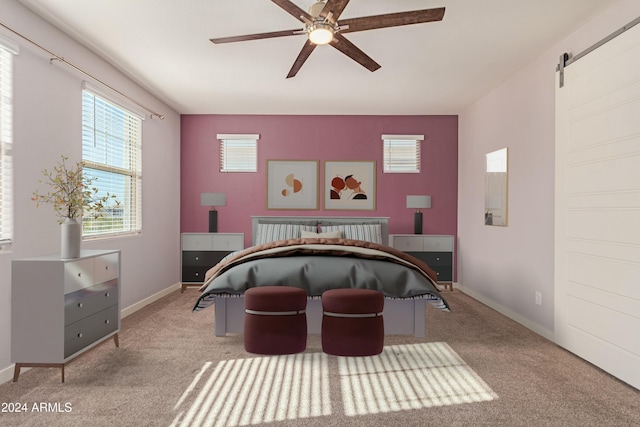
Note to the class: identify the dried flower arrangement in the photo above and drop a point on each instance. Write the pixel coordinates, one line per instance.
(71, 193)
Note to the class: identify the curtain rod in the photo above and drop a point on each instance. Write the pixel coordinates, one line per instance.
(61, 59)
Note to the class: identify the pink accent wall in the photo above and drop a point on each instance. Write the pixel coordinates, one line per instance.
(318, 138)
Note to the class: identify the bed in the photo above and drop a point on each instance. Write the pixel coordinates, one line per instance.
(320, 253)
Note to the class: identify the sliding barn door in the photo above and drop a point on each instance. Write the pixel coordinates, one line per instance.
(597, 243)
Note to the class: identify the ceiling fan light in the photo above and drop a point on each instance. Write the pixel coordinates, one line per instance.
(320, 34)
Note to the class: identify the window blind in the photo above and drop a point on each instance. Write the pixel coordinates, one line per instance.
(238, 153)
(401, 153)
(7, 50)
(112, 154)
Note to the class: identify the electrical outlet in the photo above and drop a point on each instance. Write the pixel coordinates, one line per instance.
(538, 298)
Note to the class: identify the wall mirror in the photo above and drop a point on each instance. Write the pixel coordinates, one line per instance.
(495, 188)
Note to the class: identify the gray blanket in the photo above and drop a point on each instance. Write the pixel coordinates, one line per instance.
(317, 273)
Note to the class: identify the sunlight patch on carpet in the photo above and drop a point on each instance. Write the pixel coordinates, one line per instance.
(259, 390)
(405, 377)
(269, 389)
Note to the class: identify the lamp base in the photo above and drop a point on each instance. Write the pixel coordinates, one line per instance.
(417, 223)
(213, 221)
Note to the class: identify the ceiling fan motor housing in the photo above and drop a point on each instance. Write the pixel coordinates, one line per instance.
(316, 8)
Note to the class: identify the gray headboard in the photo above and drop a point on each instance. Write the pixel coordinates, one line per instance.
(324, 220)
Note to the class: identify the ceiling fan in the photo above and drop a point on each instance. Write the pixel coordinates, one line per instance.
(321, 26)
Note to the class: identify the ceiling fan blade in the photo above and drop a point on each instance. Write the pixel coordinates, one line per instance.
(353, 52)
(302, 57)
(392, 20)
(259, 36)
(293, 10)
(335, 7)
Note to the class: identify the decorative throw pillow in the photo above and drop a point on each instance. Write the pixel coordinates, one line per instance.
(367, 232)
(271, 232)
(329, 234)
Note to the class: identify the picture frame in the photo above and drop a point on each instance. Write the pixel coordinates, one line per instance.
(292, 184)
(350, 185)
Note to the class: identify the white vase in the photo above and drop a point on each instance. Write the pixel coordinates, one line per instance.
(71, 233)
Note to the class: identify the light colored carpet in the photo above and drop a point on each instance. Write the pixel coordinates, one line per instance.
(278, 388)
(475, 367)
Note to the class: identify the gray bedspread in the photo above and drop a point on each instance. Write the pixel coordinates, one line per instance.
(317, 273)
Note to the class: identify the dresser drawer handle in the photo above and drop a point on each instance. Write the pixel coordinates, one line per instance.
(106, 322)
(197, 274)
(437, 258)
(79, 274)
(197, 258)
(106, 294)
(79, 334)
(79, 305)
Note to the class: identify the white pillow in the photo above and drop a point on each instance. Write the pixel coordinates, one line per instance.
(329, 234)
(271, 232)
(367, 232)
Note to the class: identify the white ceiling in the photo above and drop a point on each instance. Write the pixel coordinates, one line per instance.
(432, 68)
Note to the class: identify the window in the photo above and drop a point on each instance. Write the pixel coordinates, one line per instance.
(7, 50)
(401, 153)
(112, 153)
(238, 153)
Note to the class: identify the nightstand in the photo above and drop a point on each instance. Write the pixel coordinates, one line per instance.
(435, 250)
(201, 251)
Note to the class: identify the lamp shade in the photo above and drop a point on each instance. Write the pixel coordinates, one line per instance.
(418, 202)
(213, 199)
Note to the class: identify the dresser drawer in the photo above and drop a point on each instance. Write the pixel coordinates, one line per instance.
(408, 243)
(86, 302)
(197, 242)
(212, 241)
(199, 258)
(106, 268)
(440, 262)
(194, 274)
(90, 329)
(437, 244)
(78, 275)
(85, 273)
(434, 259)
(445, 273)
(227, 242)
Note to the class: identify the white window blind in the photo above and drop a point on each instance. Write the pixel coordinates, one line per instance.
(7, 50)
(401, 153)
(238, 153)
(112, 153)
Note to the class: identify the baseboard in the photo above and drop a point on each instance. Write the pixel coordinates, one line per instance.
(149, 300)
(516, 317)
(6, 374)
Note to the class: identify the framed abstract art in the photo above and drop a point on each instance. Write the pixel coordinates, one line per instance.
(292, 184)
(350, 185)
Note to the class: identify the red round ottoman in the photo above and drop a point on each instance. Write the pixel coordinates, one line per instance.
(352, 323)
(275, 321)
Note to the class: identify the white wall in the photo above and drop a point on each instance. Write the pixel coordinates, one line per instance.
(505, 266)
(46, 124)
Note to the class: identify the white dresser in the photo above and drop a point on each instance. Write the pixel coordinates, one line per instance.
(435, 250)
(61, 308)
(201, 251)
